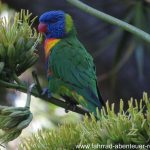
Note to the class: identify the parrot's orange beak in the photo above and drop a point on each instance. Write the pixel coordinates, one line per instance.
(42, 27)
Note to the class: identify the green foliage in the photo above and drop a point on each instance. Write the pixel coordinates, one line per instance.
(137, 15)
(17, 44)
(125, 127)
(129, 45)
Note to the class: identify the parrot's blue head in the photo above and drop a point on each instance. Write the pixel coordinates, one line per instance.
(55, 24)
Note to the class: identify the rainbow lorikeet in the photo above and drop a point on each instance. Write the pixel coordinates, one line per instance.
(70, 68)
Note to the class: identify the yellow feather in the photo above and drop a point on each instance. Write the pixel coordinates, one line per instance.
(69, 23)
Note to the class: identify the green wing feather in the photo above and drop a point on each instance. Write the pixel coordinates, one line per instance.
(73, 67)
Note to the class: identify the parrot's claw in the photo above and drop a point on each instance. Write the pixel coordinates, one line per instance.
(74, 107)
(45, 91)
(70, 106)
(66, 111)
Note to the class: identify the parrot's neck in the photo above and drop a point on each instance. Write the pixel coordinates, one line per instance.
(49, 44)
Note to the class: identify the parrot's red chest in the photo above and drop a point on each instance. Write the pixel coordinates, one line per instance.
(48, 45)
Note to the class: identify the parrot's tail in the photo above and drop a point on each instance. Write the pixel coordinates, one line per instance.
(99, 96)
(94, 101)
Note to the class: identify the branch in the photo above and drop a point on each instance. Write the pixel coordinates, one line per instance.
(57, 101)
(52, 100)
(112, 20)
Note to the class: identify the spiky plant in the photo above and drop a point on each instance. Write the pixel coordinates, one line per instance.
(17, 45)
(12, 121)
(130, 127)
(18, 40)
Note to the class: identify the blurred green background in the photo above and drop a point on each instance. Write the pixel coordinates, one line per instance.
(122, 60)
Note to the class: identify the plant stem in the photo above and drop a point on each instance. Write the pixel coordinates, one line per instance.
(12, 85)
(52, 100)
(30, 88)
(15, 77)
(112, 20)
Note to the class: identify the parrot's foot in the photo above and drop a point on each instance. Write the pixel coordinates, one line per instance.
(70, 106)
(45, 91)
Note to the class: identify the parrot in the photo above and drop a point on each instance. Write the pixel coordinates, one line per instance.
(70, 68)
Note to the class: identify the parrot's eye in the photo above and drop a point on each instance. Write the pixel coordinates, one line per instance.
(54, 20)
